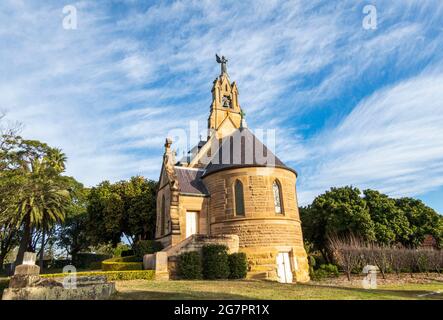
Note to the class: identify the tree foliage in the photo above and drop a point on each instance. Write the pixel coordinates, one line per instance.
(371, 216)
(126, 208)
(340, 211)
(391, 224)
(33, 191)
(71, 234)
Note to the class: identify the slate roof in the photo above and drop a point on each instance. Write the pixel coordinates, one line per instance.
(248, 152)
(189, 180)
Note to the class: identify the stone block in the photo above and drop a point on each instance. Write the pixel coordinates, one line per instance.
(27, 269)
(29, 258)
(149, 261)
(161, 262)
(93, 292)
(23, 280)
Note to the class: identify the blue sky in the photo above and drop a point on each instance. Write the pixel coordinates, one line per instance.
(351, 106)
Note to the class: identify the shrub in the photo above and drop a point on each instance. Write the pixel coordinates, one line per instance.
(4, 284)
(143, 247)
(215, 261)
(189, 265)
(238, 265)
(60, 263)
(347, 253)
(325, 271)
(111, 275)
(121, 247)
(123, 263)
(84, 260)
(95, 266)
(127, 253)
(312, 262)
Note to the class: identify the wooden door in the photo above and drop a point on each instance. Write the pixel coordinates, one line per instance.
(191, 223)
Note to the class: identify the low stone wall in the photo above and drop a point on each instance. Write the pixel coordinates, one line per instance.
(159, 262)
(197, 241)
(93, 292)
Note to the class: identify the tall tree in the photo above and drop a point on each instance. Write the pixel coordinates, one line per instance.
(10, 188)
(338, 212)
(391, 225)
(126, 208)
(42, 194)
(423, 221)
(71, 235)
(373, 217)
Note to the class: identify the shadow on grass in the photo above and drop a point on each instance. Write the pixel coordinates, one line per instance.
(191, 295)
(383, 294)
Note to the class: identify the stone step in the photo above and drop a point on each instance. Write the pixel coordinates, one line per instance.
(257, 275)
(263, 267)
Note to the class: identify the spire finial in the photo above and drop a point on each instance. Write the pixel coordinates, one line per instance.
(222, 62)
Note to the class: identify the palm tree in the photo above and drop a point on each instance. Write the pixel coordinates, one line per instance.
(44, 198)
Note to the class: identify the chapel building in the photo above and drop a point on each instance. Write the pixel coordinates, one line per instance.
(231, 184)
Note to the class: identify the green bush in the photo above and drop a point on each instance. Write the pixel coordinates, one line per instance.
(238, 265)
(95, 266)
(143, 247)
(60, 263)
(4, 284)
(215, 261)
(127, 253)
(121, 247)
(111, 275)
(122, 263)
(84, 260)
(325, 271)
(189, 265)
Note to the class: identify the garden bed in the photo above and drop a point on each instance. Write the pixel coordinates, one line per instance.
(391, 279)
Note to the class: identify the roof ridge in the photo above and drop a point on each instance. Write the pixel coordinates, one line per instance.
(187, 168)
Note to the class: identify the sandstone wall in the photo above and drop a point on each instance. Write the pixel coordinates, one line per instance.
(193, 203)
(262, 232)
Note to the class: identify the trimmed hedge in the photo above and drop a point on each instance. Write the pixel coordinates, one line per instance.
(189, 265)
(111, 275)
(122, 263)
(143, 247)
(215, 261)
(238, 265)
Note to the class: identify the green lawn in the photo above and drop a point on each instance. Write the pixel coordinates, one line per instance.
(254, 289)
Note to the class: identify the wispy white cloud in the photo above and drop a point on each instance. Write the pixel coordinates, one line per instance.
(392, 141)
(109, 92)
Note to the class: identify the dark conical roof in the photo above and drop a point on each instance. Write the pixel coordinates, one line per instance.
(242, 149)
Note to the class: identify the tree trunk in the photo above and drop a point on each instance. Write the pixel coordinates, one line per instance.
(2, 261)
(42, 250)
(325, 256)
(24, 243)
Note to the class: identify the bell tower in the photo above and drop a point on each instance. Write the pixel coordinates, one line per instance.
(226, 114)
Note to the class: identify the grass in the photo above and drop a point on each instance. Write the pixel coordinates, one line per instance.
(255, 289)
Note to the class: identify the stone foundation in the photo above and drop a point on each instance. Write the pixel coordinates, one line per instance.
(94, 292)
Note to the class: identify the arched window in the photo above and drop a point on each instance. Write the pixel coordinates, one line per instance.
(162, 217)
(276, 189)
(239, 201)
